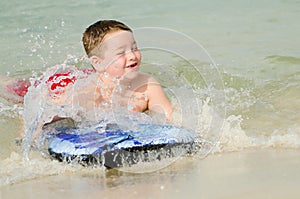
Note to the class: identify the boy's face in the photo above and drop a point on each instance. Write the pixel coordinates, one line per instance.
(119, 54)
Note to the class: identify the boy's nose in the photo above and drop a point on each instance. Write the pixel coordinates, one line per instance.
(130, 55)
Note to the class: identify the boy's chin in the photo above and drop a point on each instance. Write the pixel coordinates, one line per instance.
(131, 75)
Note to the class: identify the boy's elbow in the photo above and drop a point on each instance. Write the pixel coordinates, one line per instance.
(163, 110)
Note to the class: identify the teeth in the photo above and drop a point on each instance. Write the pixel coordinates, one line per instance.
(132, 65)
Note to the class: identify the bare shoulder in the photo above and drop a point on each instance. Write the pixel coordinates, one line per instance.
(146, 78)
(158, 102)
(143, 82)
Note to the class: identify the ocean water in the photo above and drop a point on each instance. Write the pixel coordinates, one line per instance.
(231, 68)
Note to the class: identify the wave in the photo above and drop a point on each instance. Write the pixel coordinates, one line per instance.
(279, 59)
(257, 115)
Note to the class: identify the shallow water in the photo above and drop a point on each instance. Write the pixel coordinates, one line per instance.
(247, 174)
(249, 98)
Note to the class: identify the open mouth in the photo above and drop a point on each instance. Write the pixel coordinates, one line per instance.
(132, 66)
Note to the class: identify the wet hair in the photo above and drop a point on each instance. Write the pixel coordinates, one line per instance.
(94, 34)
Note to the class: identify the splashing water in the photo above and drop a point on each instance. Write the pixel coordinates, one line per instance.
(50, 96)
(234, 135)
(64, 91)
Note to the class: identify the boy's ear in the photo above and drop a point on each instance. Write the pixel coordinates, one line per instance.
(96, 63)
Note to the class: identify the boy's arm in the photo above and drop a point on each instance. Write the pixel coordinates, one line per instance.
(158, 101)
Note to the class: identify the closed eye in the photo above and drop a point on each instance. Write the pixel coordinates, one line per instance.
(134, 48)
(120, 53)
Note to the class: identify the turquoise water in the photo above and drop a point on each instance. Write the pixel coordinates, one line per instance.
(253, 46)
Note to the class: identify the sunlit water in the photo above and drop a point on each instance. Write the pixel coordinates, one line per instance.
(254, 46)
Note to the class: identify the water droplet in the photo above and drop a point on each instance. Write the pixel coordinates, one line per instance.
(130, 107)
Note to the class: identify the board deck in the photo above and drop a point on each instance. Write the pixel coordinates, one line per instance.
(113, 147)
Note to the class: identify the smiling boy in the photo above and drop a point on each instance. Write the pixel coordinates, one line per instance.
(113, 52)
(115, 58)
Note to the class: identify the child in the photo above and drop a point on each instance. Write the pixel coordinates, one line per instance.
(115, 58)
(113, 51)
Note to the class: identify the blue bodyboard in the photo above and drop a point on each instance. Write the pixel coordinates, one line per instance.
(114, 147)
